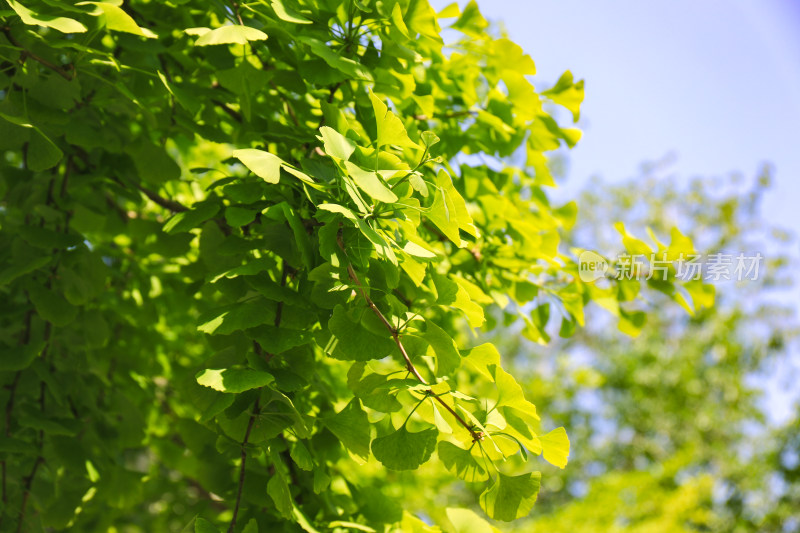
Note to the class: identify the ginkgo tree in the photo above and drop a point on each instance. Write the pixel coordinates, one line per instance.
(247, 251)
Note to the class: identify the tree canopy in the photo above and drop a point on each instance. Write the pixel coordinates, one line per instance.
(247, 250)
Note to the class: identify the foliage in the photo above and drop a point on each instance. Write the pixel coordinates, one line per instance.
(672, 432)
(245, 248)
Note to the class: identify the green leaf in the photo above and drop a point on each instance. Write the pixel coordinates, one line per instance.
(52, 306)
(370, 183)
(483, 359)
(234, 380)
(244, 315)
(230, 34)
(466, 521)
(555, 447)
(511, 497)
(301, 456)
(278, 490)
(42, 152)
(239, 216)
(403, 450)
(447, 356)
(21, 267)
(188, 220)
(346, 65)
(263, 164)
(201, 525)
(352, 428)
(119, 20)
(335, 144)
(449, 211)
(153, 164)
(471, 22)
(336, 208)
(301, 237)
(350, 525)
(62, 24)
(277, 340)
(568, 94)
(354, 342)
(509, 394)
(287, 14)
(461, 462)
(251, 527)
(390, 128)
(19, 357)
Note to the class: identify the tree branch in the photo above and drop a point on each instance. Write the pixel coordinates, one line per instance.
(250, 423)
(476, 435)
(235, 115)
(27, 53)
(27, 492)
(254, 414)
(166, 203)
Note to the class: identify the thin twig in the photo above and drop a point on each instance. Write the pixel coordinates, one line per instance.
(256, 408)
(235, 115)
(456, 114)
(27, 53)
(476, 435)
(27, 492)
(166, 203)
(250, 423)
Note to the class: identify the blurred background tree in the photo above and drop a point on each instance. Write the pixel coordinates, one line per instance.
(673, 429)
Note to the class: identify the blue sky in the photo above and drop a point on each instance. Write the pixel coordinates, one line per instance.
(716, 83)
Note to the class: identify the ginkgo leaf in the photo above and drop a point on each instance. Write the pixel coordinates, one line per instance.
(466, 521)
(555, 447)
(449, 211)
(461, 462)
(567, 93)
(234, 380)
(483, 359)
(403, 450)
(278, 490)
(345, 65)
(118, 20)
(62, 24)
(288, 15)
(447, 356)
(352, 428)
(511, 497)
(335, 144)
(390, 128)
(263, 164)
(370, 183)
(201, 525)
(354, 342)
(190, 219)
(230, 34)
(509, 394)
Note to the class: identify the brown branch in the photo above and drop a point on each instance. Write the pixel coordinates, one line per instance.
(27, 53)
(476, 435)
(166, 203)
(455, 114)
(27, 492)
(254, 414)
(250, 423)
(23, 340)
(235, 115)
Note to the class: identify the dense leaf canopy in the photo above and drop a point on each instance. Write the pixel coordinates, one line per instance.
(246, 249)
